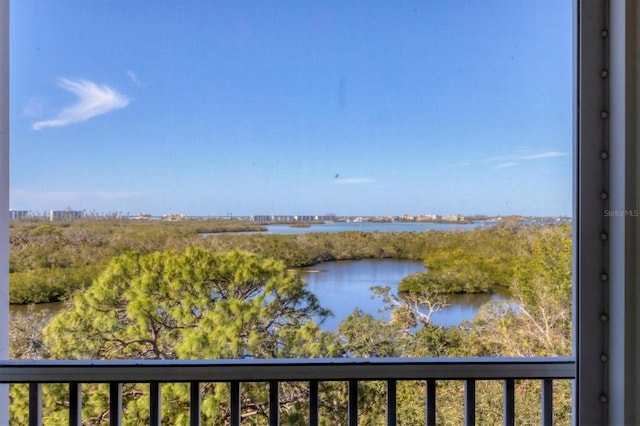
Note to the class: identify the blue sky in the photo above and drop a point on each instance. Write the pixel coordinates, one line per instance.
(292, 107)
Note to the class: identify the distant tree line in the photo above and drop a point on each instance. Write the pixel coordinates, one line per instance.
(49, 262)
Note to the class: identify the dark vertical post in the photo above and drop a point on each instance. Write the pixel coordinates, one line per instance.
(194, 404)
(431, 402)
(236, 409)
(470, 402)
(35, 404)
(115, 404)
(313, 403)
(353, 403)
(547, 402)
(75, 404)
(391, 402)
(155, 413)
(274, 403)
(509, 408)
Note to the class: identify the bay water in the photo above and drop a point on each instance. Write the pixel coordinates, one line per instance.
(344, 286)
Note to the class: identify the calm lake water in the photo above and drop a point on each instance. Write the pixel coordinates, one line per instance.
(375, 227)
(345, 285)
(332, 228)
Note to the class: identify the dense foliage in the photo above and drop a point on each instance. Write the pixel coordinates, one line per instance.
(232, 296)
(170, 305)
(50, 261)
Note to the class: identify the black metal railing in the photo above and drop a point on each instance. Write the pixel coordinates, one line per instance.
(276, 371)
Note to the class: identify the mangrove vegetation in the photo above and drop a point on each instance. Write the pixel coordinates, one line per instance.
(160, 291)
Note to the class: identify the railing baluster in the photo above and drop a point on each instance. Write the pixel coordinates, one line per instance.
(509, 409)
(469, 402)
(236, 409)
(75, 404)
(431, 402)
(547, 402)
(115, 404)
(194, 403)
(274, 403)
(155, 401)
(353, 403)
(35, 404)
(391, 402)
(313, 403)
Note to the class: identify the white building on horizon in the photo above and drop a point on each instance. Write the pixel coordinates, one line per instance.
(65, 215)
(18, 214)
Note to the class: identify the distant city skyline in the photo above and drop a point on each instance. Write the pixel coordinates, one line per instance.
(421, 216)
(206, 108)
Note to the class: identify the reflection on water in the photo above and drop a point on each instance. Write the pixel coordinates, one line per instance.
(345, 285)
(53, 308)
(464, 307)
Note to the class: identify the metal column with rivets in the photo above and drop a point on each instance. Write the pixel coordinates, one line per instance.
(591, 232)
(607, 213)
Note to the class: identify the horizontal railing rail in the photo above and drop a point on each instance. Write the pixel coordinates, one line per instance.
(276, 371)
(256, 370)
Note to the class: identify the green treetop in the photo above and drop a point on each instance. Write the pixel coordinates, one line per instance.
(188, 305)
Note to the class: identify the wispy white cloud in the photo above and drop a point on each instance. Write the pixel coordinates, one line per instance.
(520, 156)
(506, 165)
(352, 181)
(514, 158)
(132, 75)
(548, 154)
(93, 100)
